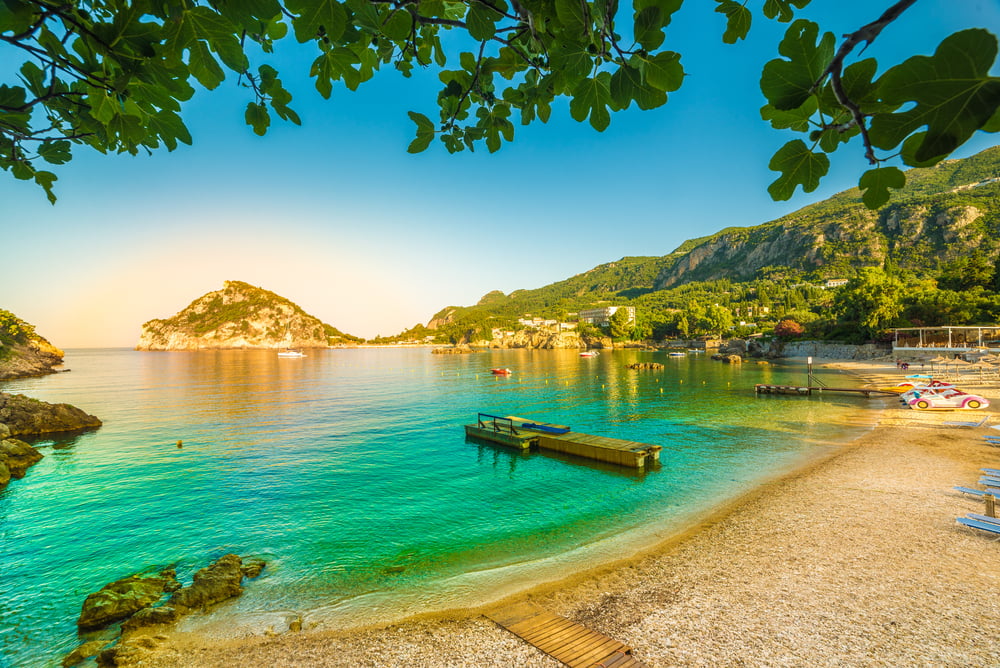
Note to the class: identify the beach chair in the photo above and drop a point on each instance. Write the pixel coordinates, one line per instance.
(989, 481)
(982, 526)
(958, 423)
(983, 518)
(978, 492)
(989, 471)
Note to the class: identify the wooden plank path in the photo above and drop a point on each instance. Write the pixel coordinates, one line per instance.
(564, 640)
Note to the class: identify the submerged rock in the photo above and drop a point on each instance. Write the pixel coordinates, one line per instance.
(646, 365)
(24, 416)
(212, 584)
(252, 567)
(119, 600)
(84, 651)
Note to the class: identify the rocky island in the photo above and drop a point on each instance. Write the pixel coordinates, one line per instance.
(240, 315)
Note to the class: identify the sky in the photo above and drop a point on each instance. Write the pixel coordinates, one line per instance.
(337, 216)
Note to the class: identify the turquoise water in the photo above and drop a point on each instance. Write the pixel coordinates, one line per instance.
(349, 471)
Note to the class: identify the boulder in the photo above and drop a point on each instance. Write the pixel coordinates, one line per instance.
(732, 359)
(23, 415)
(212, 584)
(18, 456)
(84, 651)
(163, 614)
(119, 600)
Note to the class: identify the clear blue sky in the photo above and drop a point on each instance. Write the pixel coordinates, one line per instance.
(336, 216)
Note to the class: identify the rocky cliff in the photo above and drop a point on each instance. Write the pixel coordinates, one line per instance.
(238, 316)
(23, 352)
(941, 214)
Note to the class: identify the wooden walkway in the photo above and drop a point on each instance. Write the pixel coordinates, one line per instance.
(564, 640)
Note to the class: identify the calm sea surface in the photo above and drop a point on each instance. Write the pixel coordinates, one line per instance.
(349, 472)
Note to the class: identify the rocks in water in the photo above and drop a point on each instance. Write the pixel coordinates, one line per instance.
(646, 365)
(137, 600)
(456, 350)
(24, 416)
(732, 359)
(252, 567)
(84, 651)
(212, 584)
(15, 458)
(120, 600)
(163, 614)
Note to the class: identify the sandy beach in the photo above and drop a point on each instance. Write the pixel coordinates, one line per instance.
(855, 560)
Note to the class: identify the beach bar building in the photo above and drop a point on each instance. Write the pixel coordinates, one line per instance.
(946, 339)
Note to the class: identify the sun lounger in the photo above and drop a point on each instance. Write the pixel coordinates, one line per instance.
(978, 492)
(989, 471)
(983, 518)
(976, 524)
(951, 423)
(989, 481)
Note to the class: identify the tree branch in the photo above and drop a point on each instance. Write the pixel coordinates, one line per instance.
(866, 34)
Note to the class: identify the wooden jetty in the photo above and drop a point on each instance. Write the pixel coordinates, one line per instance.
(526, 434)
(763, 388)
(564, 640)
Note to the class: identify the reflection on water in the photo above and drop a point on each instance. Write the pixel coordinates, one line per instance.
(350, 472)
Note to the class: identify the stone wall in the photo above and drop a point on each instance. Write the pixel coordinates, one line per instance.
(819, 350)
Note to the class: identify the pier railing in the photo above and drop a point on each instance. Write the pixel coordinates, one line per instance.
(496, 423)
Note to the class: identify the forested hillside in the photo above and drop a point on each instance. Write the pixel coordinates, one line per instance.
(934, 247)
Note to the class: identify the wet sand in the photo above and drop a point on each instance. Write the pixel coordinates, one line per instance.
(855, 560)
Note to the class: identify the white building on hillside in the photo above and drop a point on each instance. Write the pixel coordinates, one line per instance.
(602, 316)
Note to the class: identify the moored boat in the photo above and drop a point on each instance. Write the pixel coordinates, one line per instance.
(501, 372)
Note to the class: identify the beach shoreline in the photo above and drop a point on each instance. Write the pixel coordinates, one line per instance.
(793, 572)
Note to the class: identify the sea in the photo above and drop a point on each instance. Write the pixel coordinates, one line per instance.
(349, 472)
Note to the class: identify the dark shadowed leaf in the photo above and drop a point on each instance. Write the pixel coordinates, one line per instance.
(738, 19)
(788, 83)
(799, 167)
(952, 92)
(876, 183)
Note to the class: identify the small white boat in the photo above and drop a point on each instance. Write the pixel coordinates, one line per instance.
(291, 353)
(589, 353)
(677, 354)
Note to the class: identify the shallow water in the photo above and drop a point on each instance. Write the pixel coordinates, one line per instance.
(349, 471)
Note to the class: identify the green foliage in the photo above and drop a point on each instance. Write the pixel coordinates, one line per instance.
(873, 300)
(112, 75)
(922, 108)
(620, 325)
(13, 330)
(967, 272)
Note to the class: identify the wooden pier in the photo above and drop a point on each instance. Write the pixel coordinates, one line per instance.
(762, 388)
(564, 640)
(526, 434)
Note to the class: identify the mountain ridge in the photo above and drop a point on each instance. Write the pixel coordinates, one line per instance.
(943, 212)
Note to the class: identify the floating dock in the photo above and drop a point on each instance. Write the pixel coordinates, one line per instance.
(526, 434)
